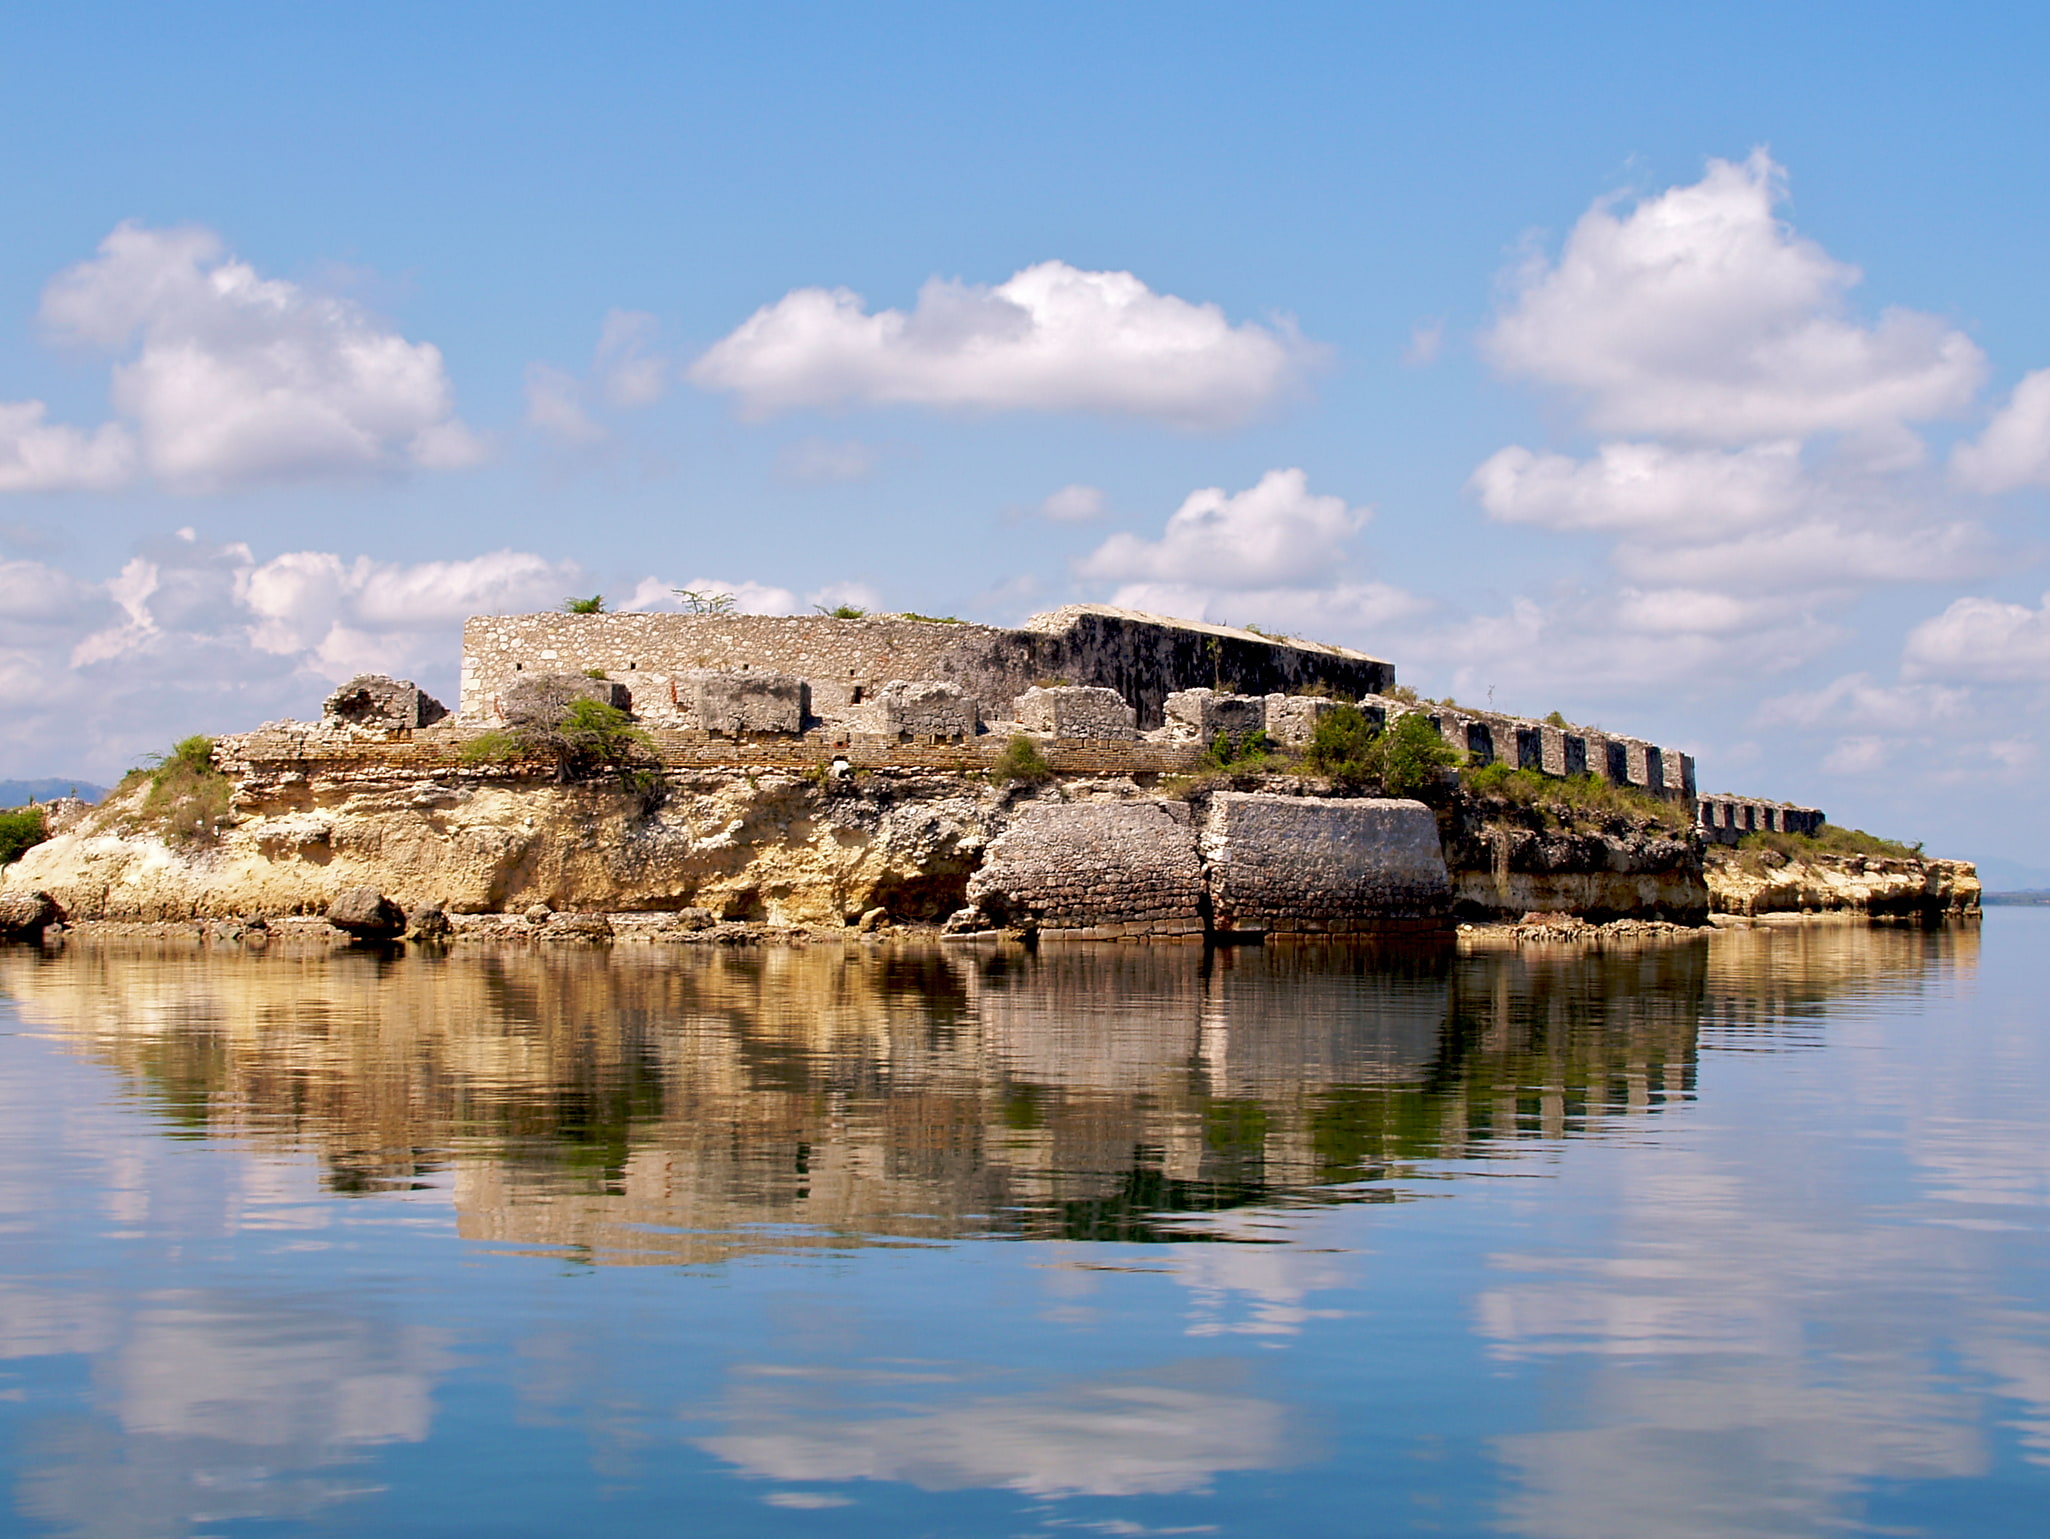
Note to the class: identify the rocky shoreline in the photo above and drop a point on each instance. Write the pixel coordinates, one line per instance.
(743, 856)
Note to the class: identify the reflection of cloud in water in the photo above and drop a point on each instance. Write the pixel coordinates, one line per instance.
(1105, 1437)
(220, 1408)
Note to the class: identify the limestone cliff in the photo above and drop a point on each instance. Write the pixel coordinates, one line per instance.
(1509, 859)
(775, 846)
(1759, 882)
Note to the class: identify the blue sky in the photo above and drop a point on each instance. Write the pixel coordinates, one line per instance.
(1670, 366)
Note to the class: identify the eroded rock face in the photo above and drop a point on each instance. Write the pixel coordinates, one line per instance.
(1095, 870)
(1882, 887)
(1321, 865)
(1502, 869)
(779, 847)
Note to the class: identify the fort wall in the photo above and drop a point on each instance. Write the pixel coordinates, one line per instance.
(846, 663)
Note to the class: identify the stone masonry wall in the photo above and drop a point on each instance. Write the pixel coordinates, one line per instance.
(845, 662)
(1095, 871)
(1315, 865)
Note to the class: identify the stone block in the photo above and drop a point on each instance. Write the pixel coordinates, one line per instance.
(545, 696)
(1203, 713)
(745, 704)
(1076, 711)
(377, 700)
(921, 708)
(1292, 719)
(1090, 867)
(1317, 865)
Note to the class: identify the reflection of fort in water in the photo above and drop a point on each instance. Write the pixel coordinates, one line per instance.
(651, 1105)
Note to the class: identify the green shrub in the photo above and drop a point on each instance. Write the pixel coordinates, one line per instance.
(21, 830)
(493, 747)
(579, 736)
(841, 611)
(927, 619)
(1555, 719)
(1413, 754)
(1241, 750)
(594, 605)
(1021, 761)
(1346, 745)
(187, 799)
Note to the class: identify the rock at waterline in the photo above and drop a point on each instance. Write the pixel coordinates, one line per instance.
(366, 914)
(25, 915)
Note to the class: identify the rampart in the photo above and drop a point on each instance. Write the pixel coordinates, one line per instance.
(1726, 819)
(846, 663)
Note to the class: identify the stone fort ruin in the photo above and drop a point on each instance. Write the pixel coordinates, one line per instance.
(1080, 675)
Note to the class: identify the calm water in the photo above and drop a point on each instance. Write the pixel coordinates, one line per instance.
(1736, 1237)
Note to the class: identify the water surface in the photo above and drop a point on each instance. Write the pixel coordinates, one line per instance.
(1739, 1236)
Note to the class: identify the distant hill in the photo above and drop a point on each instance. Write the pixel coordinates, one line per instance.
(2012, 876)
(17, 793)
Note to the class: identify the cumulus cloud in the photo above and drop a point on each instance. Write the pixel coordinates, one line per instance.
(1274, 532)
(1074, 504)
(1049, 338)
(191, 636)
(1982, 639)
(1276, 554)
(1757, 467)
(2014, 450)
(1644, 488)
(236, 380)
(39, 456)
(1699, 314)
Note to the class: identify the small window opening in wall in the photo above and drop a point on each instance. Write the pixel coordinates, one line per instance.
(518, 666)
(632, 666)
(857, 696)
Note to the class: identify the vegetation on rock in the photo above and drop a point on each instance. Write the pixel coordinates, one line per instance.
(1021, 761)
(1571, 800)
(21, 829)
(576, 735)
(186, 800)
(594, 605)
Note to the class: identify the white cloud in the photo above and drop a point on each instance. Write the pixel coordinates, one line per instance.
(1275, 532)
(1825, 559)
(1982, 639)
(1049, 338)
(1855, 700)
(628, 370)
(341, 617)
(1860, 755)
(239, 379)
(1073, 504)
(37, 456)
(749, 598)
(2015, 448)
(1274, 555)
(1101, 1438)
(1698, 314)
(1644, 488)
(190, 636)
